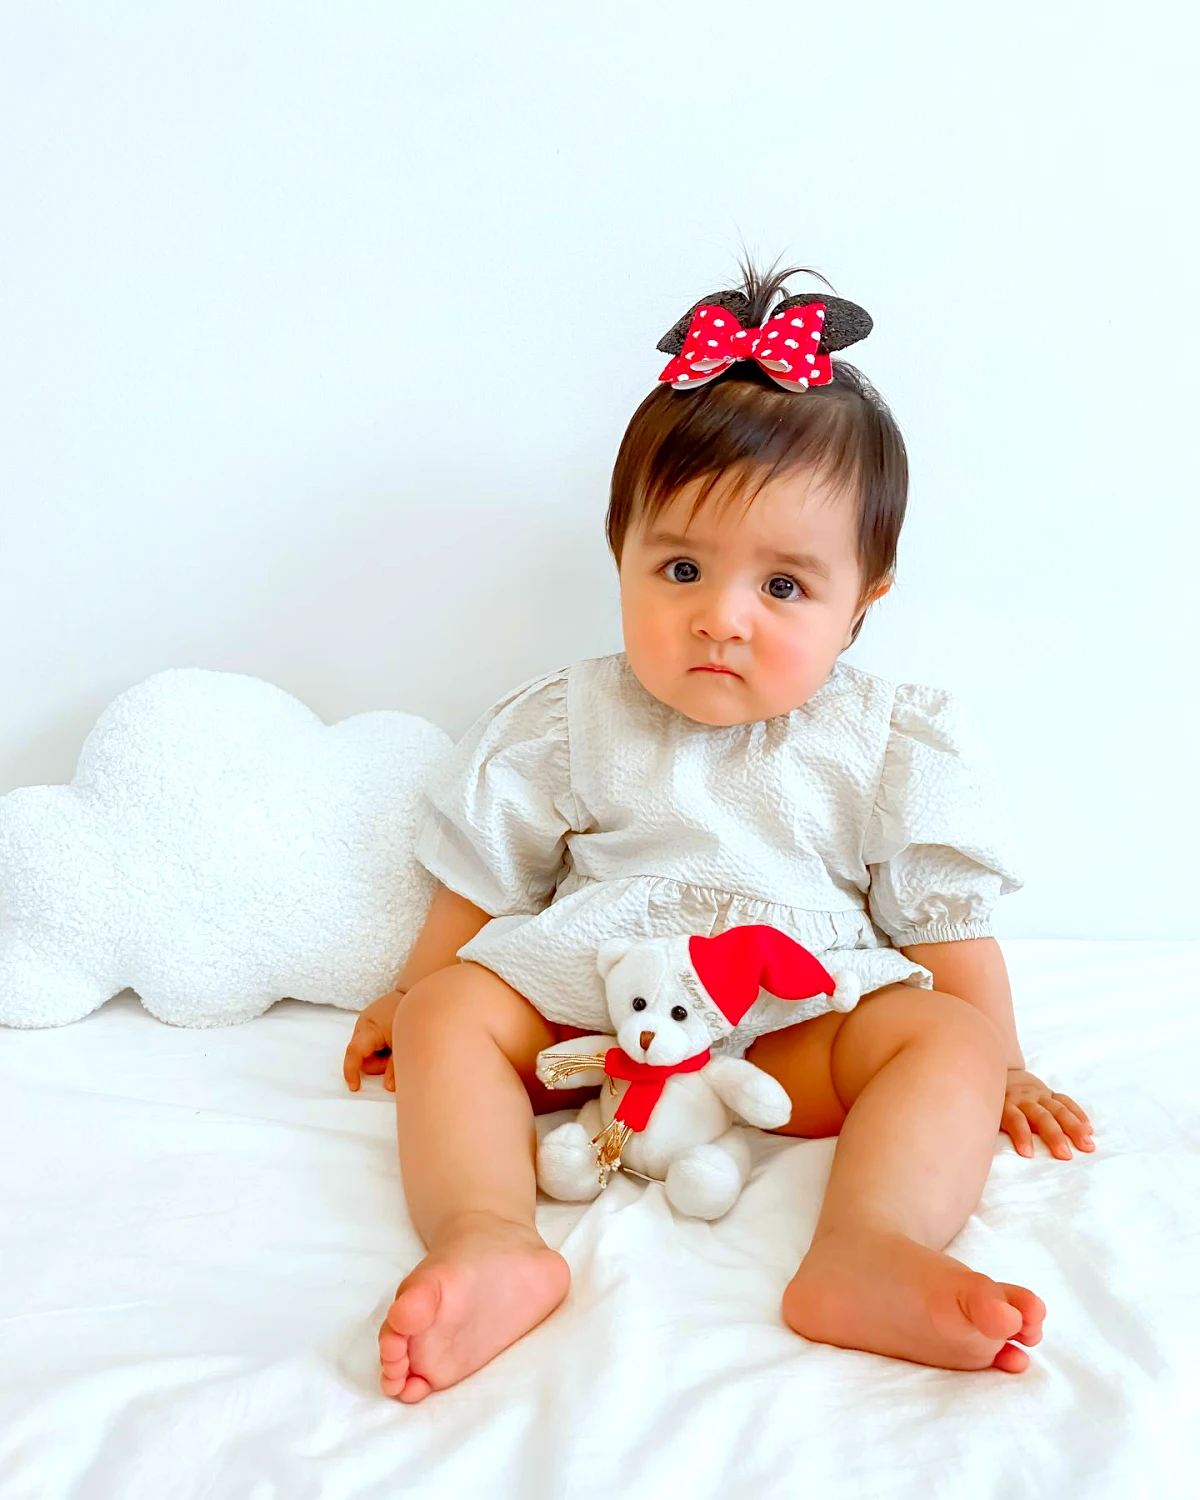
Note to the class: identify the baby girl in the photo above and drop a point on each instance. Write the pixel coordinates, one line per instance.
(726, 768)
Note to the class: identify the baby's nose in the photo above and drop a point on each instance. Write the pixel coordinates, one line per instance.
(721, 617)
(645, 1039)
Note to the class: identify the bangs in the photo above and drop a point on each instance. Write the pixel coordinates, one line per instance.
(738, 444)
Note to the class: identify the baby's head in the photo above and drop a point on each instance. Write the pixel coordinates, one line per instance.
(753, 527)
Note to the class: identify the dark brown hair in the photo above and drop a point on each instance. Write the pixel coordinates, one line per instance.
(745, 427)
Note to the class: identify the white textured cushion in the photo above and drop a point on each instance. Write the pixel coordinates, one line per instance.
(219, 849)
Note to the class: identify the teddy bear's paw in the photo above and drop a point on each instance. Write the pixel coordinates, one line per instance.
(705, 1181)
(40, 991)
(566, 1164)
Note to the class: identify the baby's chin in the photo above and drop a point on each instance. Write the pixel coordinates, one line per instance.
(717, 699)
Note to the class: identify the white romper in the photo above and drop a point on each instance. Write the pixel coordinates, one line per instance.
(580, 808)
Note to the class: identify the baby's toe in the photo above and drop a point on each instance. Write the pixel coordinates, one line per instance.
(415, 1307)
(988, 1309)
(1010, 1359)
(393, 1347)
(393, 1373)
(1032, 1310)
(393, 1361)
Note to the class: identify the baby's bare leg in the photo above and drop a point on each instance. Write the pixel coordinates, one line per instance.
(918, 1078)
(464, 1045)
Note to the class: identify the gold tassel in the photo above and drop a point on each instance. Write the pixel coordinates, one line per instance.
(609, 1144)
(566, 1064)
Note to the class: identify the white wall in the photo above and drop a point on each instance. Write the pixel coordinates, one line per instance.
(319, 326)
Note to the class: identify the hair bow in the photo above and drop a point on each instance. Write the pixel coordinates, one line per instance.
(793, 345)
(785, 346)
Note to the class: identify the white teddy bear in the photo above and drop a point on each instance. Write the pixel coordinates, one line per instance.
(667, 1105)
(219, 849)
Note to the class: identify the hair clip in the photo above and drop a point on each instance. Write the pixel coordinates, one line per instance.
(793, 345)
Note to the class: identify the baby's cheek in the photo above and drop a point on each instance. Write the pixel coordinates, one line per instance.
(788, 655)
(643, 623)
(656, 641)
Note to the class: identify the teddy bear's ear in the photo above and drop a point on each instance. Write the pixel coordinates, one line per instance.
(610, 954)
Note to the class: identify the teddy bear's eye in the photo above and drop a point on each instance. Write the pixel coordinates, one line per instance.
(640, 1004)
(678, 1013)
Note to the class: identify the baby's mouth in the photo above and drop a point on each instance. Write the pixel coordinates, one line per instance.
(717, 667)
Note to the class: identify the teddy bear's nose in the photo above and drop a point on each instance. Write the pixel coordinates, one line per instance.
(645, 1039)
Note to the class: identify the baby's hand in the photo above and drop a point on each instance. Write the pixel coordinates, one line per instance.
(1030, 1107)
(370, 1046)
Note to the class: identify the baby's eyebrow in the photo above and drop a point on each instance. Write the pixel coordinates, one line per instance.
(806, 562)
(670, 539)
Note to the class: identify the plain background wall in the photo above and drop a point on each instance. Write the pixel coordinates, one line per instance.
(320, 324)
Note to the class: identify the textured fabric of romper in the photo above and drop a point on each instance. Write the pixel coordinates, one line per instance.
(580, 808)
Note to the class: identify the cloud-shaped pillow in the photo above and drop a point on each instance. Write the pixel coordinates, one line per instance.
(219, 849)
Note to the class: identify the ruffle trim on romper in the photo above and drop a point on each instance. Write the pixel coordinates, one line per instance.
(550, 957)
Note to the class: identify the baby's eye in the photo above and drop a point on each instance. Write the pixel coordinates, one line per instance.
(682, 570)
(679, 1013)
(783, 587)
(639, 1003)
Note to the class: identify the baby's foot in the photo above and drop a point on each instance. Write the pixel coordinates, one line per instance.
(889, 1295)
(476, 1292)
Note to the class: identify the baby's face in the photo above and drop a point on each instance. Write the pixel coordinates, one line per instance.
(740, 614)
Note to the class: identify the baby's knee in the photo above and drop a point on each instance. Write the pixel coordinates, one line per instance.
(965, 1030)
(465, 1001)
(904, 1016)
(945, 1038)
(446, 1000)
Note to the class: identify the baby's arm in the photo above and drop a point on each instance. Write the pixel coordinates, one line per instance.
(452, 921)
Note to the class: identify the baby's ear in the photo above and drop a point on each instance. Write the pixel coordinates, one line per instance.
(610, 954)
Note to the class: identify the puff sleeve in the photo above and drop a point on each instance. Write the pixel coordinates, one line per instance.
(938, 846)
(495, 816)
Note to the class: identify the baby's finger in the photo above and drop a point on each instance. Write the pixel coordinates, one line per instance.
(1049, 1129)
(1014, 1124)
(389, 1076)
(1078, 1132)
(375, 1063)
(1079, 1113)
(367, 1038)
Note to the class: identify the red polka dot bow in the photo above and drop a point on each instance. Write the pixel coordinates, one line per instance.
(785, 346)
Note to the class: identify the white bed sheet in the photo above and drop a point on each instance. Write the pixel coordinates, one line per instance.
(201, 1231)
